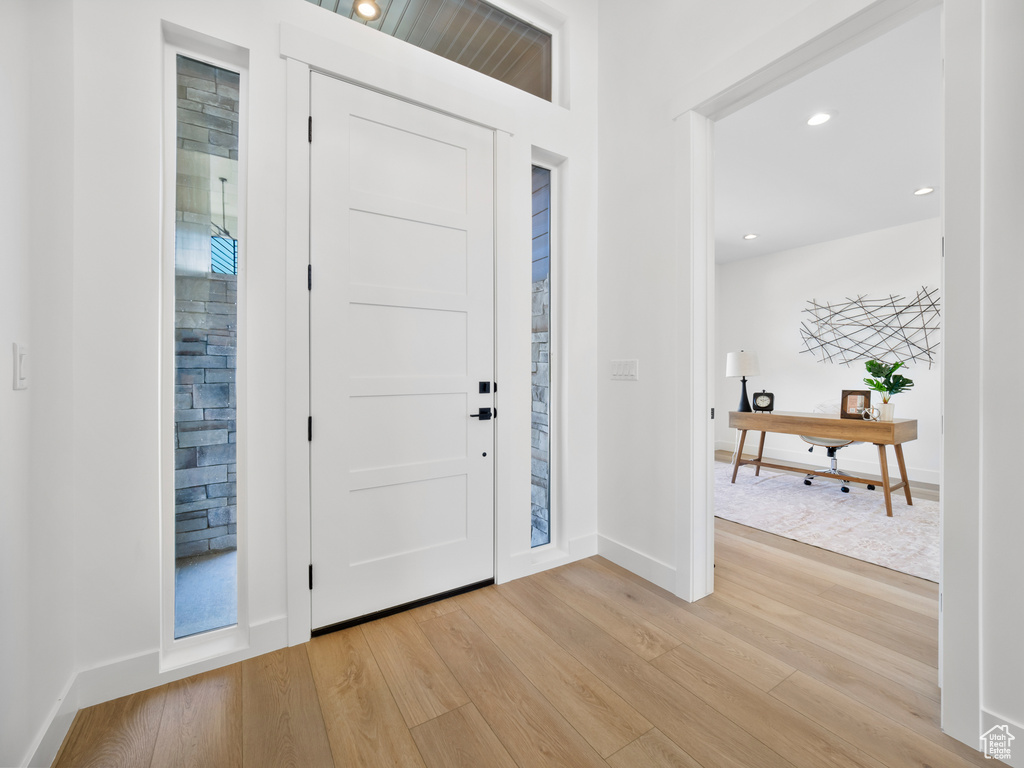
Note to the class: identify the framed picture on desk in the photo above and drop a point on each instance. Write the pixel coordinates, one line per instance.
(854, 402)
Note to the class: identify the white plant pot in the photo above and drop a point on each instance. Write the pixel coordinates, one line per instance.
(885, 411)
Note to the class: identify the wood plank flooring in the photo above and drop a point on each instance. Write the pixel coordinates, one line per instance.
(801, 658)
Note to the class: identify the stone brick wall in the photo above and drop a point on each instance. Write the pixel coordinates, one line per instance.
(207, 109)
(207, 151)
(205, 337)
(206, 311)
(540, 437)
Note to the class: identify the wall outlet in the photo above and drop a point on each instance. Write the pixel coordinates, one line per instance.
(625, 370)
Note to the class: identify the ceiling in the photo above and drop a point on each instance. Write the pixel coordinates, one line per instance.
(795, 185)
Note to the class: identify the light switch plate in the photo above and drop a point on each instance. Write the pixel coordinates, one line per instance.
(20, 366)
(625, 370)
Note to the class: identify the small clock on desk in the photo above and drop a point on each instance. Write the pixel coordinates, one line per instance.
(764, 401)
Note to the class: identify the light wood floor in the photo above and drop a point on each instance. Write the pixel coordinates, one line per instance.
(800, 658)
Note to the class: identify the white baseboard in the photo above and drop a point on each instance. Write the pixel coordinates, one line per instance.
(584, 546)
(856, 466)
(51, 734)
(991, 720)
(543, 558)
(644, 566)
(134, 674)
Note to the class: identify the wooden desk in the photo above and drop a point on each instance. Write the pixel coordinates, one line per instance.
(880, 433)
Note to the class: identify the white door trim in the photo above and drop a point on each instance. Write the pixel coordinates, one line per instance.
(695, 530)
(297, 462)
(820, 34)
(367, 69)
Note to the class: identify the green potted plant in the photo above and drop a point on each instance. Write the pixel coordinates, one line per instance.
(884, 379)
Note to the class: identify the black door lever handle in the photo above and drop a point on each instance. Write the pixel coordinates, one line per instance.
(485, 414)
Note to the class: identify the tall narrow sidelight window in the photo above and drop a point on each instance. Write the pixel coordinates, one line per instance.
(541, 365)
(206, 233)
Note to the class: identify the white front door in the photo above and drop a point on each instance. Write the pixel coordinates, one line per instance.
(401, 335)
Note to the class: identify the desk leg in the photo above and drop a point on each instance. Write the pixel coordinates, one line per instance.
(903, 473)
(760, 453)
(885, 480)
(739, 455)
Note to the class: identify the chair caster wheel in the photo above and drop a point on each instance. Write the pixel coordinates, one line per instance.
(807, 482)
(845, 489)
(871, 487)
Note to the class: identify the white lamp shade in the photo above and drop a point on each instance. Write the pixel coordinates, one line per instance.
(741, 364)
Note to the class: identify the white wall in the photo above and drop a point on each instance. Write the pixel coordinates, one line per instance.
(16, 721)
(760, 306)
(54, 505)
(635, 441)
(643, 294)
(36, 549)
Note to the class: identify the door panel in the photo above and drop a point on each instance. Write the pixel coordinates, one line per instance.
(392, 520)
(401, 332)
(408, 254)
(399, 430)
(420, 342)
(420, 169)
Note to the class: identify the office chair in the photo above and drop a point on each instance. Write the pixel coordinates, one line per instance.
(831, 446)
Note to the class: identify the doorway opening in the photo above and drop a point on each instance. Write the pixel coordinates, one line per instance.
(821, 213)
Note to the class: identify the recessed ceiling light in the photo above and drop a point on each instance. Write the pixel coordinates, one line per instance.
(820, 118)
(751, 236)
(367, 9)
(924, 191)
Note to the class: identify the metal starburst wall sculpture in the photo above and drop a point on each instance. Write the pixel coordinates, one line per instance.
(894, 328)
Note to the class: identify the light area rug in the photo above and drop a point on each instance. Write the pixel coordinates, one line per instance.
(853, 523)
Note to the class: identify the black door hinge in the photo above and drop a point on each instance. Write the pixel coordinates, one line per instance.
(309, 429)
(712, 414)
(309, 277)
(310, 129)
(310, 575)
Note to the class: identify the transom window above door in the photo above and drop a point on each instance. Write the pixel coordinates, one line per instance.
(472, 33)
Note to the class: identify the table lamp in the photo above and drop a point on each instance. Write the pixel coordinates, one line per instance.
(742, 364)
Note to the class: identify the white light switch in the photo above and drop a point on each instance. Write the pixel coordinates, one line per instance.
(20, 366)
(625, 370)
